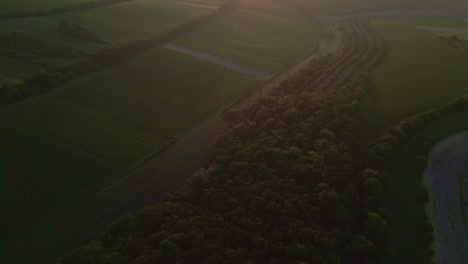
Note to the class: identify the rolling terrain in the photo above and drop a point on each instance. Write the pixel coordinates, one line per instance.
(105, 125)
(124, 135)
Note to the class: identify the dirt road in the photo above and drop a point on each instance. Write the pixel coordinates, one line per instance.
(443, 178)
(218, 60)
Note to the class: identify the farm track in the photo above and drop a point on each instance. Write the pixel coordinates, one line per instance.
(170, 169)
(218, 60)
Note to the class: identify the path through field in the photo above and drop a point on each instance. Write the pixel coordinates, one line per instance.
(169, 170)
(218, 60)
(444, 177)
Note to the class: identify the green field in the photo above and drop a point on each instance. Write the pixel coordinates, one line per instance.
(83, 136)
(27, 5)
(137, 19)
(165, 90)
(45, 28)
(406, 207)
(338, 7)
(114, 24)
(13, 68)
(261, 35)
(40, 173)
(418, 72)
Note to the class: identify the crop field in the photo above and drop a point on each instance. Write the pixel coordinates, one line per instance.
(33, 178)
(101, 134)
(13, 68)
(137, 19)
(406, 203)
(164, 89)
(114, 24)
(22, 5)
(446, 32)
(46, 136)
(264, 37)
(45, 28)
(338, 7)
(101, 126)
(419, 72)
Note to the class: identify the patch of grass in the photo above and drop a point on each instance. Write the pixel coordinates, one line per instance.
(135, 19)
(15, 68)
(433, 21)
(46, 29)
(39, 174)
(266, 37)
(407, 208)
(165, 90)
(419, 72)
(101, 134)
(7, 6)
(337, 7)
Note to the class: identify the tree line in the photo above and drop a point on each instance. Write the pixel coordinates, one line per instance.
(384, 150)
(29, 48)
(69, 29)
(284, 186)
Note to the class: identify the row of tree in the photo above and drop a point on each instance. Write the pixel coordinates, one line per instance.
(73, 30)
(284, 186)
(28, 48)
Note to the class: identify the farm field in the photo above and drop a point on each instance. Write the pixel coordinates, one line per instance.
(165, 90)
(7, 6)
(113, 24)
(440, 27)
(138, 19)
(447, 32)
(40, 174)
(46, 29)
(260, 35)
(405, 203)
(419, 72)
(338, 7)
(101, 127)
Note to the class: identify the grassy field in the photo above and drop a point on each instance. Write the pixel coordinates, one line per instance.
(418, 72)
(165, 90)
(137, 19)
(13, 68)
(261, 35)
(45, 28)
(337, 7)
(27, 5)
(40, 173)
(60, 147)
(405, 204)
